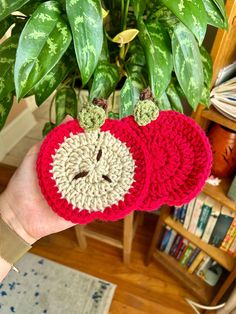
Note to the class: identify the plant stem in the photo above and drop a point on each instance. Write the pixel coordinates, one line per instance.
(125, 15)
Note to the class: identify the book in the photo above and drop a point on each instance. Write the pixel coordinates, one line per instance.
(196, 212)
(182, 249)
(176, 212)
(183, 212)
(175, 244)
(189, 212)
(165, 238)
(204, 216)
(196, 262)
(210, 272)
(192, 257)
(223, 98)
(232, 248)
(211, 221)
(171, 240)
(186, 255)
(229, 237)
(226, 73)
(222, 225)
(204, 264)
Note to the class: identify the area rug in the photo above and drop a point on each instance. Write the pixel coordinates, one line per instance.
(44, 286)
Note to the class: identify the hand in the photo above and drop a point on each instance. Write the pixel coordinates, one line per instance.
(23, 207)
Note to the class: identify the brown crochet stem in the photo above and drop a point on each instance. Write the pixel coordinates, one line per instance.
(146, 94)
(101, 102)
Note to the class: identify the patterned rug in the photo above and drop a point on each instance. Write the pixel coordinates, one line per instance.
(44, 286)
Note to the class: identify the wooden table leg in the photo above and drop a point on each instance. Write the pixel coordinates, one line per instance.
(127, 237)
(79, 231)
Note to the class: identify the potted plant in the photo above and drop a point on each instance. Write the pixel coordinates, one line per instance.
(106, 45)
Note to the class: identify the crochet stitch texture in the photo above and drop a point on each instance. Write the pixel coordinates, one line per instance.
(123, 167)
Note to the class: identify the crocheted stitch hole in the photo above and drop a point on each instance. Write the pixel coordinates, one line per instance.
(94, 175)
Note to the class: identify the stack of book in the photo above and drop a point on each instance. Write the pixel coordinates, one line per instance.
(190, 257)
(208, 220)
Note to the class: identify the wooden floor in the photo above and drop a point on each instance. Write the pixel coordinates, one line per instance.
(140, 289)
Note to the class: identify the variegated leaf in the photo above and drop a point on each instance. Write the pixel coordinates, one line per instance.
(29, 9)
(187, 63)
(65, 103)
(51, 81)
(207, 66)
(156, 46)
(136, 54)
(5, 24)
(43, 41)
(5, 107)
(138, 7)
(174, 98)
(105, 79)
(130, 91)
(221, 6)
(205, 97)
(85, 17)
(214, 16)
(7, 60)
(9, 6)
(191, 13)
(163, 102)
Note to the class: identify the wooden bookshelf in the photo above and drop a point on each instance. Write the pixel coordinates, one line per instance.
(198, 287)
(219, 193)
(224, 259)
(217, 117)
(223, 53)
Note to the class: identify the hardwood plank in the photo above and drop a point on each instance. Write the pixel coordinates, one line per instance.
(224, 259)
(217, 117)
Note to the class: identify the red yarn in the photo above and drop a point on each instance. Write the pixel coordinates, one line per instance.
(172, 157)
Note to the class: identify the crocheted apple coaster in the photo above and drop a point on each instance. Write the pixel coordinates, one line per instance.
(93, 175)
(181, 158)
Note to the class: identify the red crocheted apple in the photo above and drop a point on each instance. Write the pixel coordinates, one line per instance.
(93, 175)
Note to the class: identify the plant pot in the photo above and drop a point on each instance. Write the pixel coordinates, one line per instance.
(223, 142)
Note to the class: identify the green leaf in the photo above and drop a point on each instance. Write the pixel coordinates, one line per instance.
(136, 54)
(65, 103)
(9, 6)
(126, 36)
(187, 63)
(5, 107)
(138, 7)
(155, 43)
(85, 17)
(51, 80)
(129, 94)
(205, 97)
(106, 77)
(43, 41)
(174, 98)
(48, 126)
(7, 60)
(29, 9)
(207, 66)
(5, 24)
(214, 16)
(221, 6)
(164, 103)
(192, 14)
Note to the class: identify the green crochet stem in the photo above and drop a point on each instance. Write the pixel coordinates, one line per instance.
(91, 117)
(145, 111)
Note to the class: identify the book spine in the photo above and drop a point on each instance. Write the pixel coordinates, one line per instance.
(209, 228)
(171, 241)
(182, 250)
(189, 214)
(192, 257)
(230, 235)
(165, 238)
(203, 219)
(183, 214)
(175, 213)
(195, 216)
(186, 255)
(196, 262)
(175, 244)
(232, 249)
(202, 267)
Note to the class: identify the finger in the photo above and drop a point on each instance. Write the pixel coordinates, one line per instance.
(34, 149)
